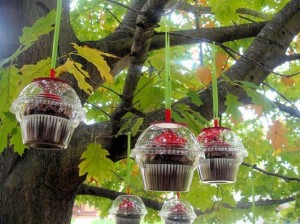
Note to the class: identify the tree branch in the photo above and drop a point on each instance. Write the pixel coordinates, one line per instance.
(85, 189)
(122, 46)
(292, 111)
(138, 55)
(201, 10)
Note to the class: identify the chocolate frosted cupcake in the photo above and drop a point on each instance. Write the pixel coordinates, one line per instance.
(167, 154)
(177, 212)
(48, 110)
(223, 153)
(128, 209)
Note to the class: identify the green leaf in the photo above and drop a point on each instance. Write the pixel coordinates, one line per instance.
(95, 56)
(225, 11)
(7, 124)
(136, 126)
(42, 26)
(31, 71)
(16, 140)
(149, 95)
(194, 98)
(197, 191)
(9, 82)
(249, 84)
(96, 164)
(187, 115)
(232, 105)
(259, 99)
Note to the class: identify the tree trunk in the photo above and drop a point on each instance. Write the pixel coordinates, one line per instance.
(38, 190)
(40, 186)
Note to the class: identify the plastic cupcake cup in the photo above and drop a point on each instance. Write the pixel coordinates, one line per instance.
(222, 154)
(128, 209)
(177, 211)
(167, 154)
(48, 111)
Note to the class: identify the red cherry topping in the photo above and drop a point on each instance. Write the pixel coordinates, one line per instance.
(179, 209)
(169, 137)
(126, 204)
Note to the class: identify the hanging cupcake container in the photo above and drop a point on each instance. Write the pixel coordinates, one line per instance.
(177, 212)
(48, 110)
(222, 152)
(167, 154)
(128, 209)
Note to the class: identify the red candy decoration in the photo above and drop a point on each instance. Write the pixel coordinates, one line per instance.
(126, 204)
(179, 209)
(169, 137)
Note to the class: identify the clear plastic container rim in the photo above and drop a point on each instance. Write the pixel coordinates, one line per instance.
(216, 128)
(165, 124)
(49, 78)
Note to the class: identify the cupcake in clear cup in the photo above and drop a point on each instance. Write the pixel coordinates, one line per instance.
(222, 153)
(167, 154)
(48, 110)
(128, 209)
(177, 211)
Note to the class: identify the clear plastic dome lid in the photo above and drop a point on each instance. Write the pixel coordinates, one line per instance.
(222, 142)
(50, 96)
(166, 138)
(128, 205)
(178, 210)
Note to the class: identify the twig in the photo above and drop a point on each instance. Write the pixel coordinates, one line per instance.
(136, 112)
(95, 106)
(127, 7)
(120, 22)
(270, 173)
(113, 91)
(279, 93)
(235, 52)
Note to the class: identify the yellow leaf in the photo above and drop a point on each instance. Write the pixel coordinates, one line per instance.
(203, 74)
(80, 74)
(277, 134)
(287, 81)
(95, 56)
(221, 58)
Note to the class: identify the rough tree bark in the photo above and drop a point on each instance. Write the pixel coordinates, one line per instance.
(40, 186)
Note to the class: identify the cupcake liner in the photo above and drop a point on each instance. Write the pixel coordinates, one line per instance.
(121, 220)
(167, 177)
(218, 170)
(46, 131)
(178, 221)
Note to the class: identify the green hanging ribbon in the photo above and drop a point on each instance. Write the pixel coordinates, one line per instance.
(215, 84)
(56, 33)
(167, 72)
(128, 161)
(253, 196)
